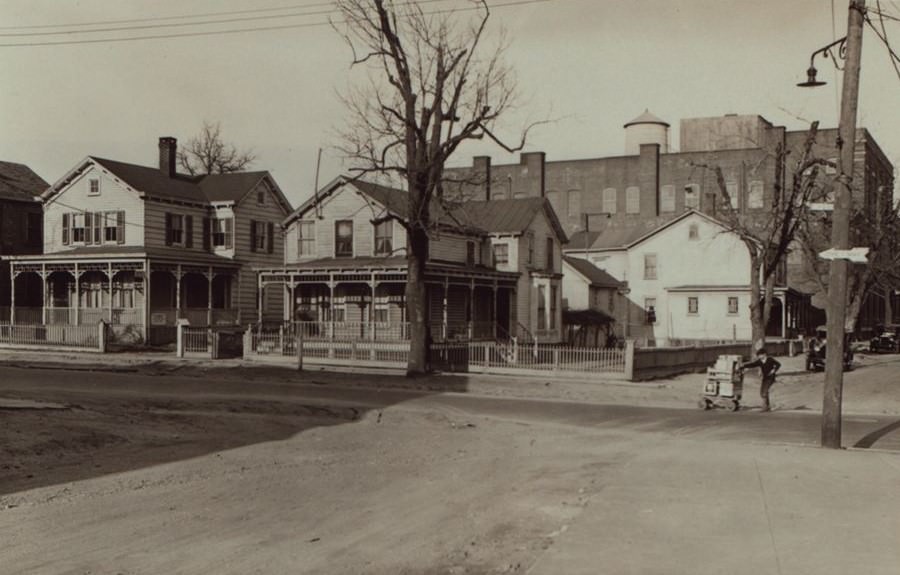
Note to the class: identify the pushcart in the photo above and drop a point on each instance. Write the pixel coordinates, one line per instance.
(724, 384)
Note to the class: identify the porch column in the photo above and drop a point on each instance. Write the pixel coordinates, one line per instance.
(146, 301)
(109, 274)
(331, 307)
(494, 310)
(77, 295)
(784, 312)
(45, 287)
(178, 292)
(209, 281)
(12, 295)
(291, 305)
(444, 328)
(471, 317)
(372, 309)
(260, 296)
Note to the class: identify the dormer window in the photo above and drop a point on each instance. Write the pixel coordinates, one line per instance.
(501, 254)
(94, 187)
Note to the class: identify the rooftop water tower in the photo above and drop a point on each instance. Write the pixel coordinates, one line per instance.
(646, 129)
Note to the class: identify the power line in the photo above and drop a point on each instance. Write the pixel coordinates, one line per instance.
(184, 24)
(165, 18)
(882, 35)
(508, 4)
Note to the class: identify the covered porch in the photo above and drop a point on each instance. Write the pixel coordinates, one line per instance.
(141, 298)
(342, 303)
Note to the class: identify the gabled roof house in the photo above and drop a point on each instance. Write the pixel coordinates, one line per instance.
(141, 247)
(493, 270)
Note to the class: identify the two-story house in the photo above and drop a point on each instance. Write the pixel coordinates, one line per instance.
(493, 271)
(20, 222)
(688, 279)
(141, 247)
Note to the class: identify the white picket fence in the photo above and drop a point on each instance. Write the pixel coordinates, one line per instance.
(476, 357)
(76, 337)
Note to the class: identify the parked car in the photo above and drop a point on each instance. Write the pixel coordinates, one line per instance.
(815, 354)
(886, 338)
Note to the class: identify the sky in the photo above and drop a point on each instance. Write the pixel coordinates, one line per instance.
(588, 65)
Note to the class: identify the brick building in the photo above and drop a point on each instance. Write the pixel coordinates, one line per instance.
(650, 183)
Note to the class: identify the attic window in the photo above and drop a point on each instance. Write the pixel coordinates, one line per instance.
(261, 197)
(94, 187)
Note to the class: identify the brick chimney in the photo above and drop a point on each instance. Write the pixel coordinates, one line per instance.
(168, 147)
(482, 168)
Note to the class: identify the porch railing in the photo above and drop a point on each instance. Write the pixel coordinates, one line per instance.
(382, 331)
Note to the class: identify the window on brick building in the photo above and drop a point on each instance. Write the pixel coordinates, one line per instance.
(609, 201)
(733, 194)
(692, 197)
(574, 207)
(633, 200)
(667, 198)
(755, 196)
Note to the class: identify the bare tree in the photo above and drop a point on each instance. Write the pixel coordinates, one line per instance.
(207, 153)
(770, 237)
(432, 84)
(875, 226)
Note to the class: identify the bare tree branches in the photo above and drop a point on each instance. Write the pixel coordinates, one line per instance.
(208, 154)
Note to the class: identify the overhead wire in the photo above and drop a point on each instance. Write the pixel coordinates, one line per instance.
(241, 30)
(883, 36)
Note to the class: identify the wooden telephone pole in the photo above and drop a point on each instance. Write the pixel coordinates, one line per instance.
(840, 233)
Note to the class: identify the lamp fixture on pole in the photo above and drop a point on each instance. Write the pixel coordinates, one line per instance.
(811, 81)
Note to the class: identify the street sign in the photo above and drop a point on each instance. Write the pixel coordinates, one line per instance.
(853, 255)
(820, 206)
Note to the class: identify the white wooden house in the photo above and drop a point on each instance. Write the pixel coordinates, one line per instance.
(687, 279)
(493, 271)
(140, 247)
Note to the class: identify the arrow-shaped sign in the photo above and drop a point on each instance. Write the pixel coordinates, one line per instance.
(853, 255)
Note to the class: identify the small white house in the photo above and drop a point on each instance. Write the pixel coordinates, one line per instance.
(594, 303)
(687, 279)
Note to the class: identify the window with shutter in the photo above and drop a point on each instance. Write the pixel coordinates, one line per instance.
(120, 225)
(168, 229)
(65, 229)
(189, 231)
(253, 235)
(77, 228)
(208, 224)
(270, 237)
(89, 228)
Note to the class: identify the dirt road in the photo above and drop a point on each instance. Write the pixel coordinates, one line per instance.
(138, 473)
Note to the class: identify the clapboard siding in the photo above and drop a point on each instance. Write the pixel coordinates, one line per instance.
(75, 197)
(270, 211)
(450, 248)
(155, 224)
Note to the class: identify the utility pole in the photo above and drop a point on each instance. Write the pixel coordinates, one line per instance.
(840, 233)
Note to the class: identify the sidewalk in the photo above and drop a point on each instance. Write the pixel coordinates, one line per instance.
(710, 507)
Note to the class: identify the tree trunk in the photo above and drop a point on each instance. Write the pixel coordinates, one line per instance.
(417, 303)
(757, 320)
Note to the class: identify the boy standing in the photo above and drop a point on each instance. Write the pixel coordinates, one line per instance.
(768, 366)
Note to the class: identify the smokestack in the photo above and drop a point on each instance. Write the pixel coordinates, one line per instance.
(168, 147)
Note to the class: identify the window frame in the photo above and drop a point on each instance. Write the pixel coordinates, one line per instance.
(74, 228)
(498, 248)
(609, 201)
(693, 305)
(735, 310)
(303, 240)
(650, 305)
(633, 200)
(178, 240)
(693, 231)
(667, 201)
(93, 186)
(651, 272)
(383, 239)
(692, 191)
(338, 240)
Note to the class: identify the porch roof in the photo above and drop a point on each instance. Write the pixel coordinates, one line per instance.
(394, 264)
(115, 253)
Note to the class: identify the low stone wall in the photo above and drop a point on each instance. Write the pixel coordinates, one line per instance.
(650, 363)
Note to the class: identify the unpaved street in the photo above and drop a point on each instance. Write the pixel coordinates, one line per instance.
(141, 473)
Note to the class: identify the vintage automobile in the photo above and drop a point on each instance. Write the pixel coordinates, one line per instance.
(886, 338)
(815, 355)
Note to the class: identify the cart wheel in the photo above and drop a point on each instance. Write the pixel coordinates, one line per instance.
(735, 405)
(705, 404)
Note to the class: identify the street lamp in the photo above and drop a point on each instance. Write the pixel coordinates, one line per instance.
(811, 81)
(849, 49)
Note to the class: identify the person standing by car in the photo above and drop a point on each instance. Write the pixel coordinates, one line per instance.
(768, 367)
